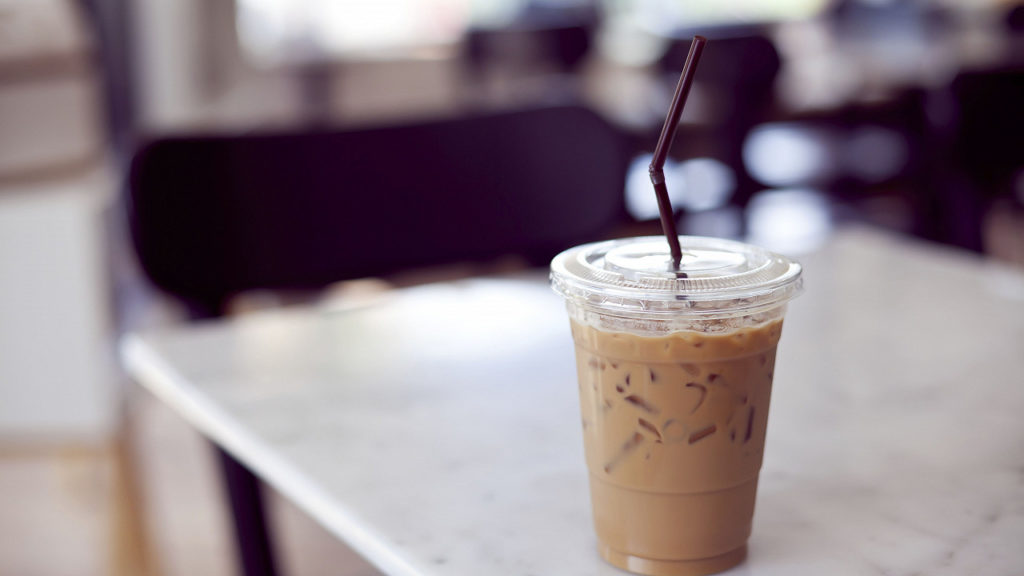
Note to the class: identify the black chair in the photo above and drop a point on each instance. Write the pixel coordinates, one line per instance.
(990, 126)
(564, 46)
(987, 151)
(540, 33)
(214, 216)
(539, 51)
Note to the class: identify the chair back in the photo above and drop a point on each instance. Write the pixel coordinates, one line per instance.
(213, 216)
(990, 127)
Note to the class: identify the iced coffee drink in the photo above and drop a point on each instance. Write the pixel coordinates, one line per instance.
(675, 373)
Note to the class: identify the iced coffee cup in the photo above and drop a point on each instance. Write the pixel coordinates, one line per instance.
(675, 373)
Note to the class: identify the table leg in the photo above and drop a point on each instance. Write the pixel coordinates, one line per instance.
(244, 492)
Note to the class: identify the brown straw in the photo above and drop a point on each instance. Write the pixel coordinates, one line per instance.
(668, 134)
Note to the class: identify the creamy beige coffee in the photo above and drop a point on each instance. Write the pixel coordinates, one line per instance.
(675, 373)
(674, 430)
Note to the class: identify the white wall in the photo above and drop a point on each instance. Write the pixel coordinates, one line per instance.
(56, 376)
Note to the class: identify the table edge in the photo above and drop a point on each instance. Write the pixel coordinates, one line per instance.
(147, 368)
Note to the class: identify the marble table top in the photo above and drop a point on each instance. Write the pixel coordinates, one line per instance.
(436, 431)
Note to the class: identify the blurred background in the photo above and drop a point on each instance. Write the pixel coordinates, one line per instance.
(806, 115)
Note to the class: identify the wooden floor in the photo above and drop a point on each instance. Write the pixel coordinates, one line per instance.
(64, 511)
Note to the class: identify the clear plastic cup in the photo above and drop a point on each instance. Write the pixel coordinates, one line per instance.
(675, 374)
